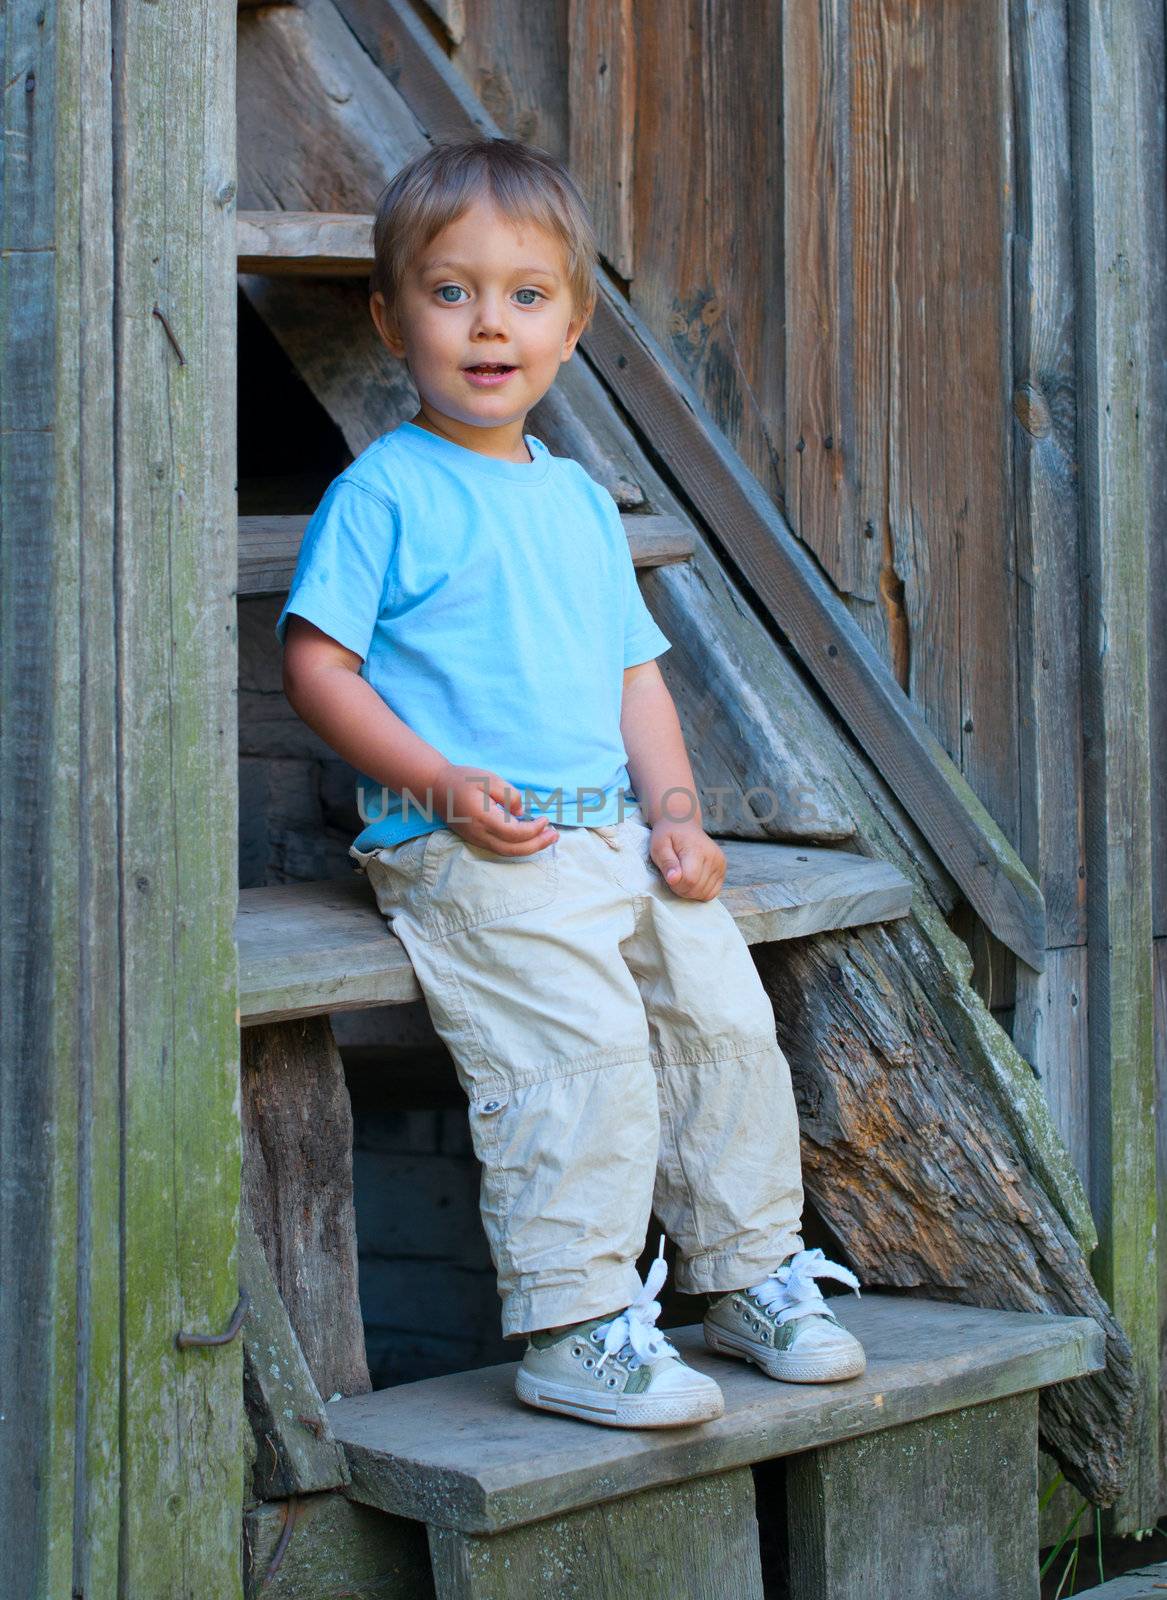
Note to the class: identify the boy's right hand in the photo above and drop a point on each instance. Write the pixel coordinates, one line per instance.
(482, 808)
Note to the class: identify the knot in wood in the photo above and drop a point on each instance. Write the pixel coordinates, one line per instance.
(1032, 411)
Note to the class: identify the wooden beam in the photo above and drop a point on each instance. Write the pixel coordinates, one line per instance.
(59, 1015)
(1049, 1023)
(755, 536)
(296, 1453)
(1116, 432)
(174, 568)
(304, 243)
(298, 1191)
(268, 547)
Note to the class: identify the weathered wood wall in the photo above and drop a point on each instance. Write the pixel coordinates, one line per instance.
(861, 232)
(903, 263)
(121, 1472)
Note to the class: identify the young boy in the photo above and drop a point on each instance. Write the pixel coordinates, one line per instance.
(464, 626)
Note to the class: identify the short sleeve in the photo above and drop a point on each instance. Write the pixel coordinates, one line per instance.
(340, 572)
(642, 638)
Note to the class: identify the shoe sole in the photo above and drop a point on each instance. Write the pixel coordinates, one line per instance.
(782, 1364)
(628, 1411)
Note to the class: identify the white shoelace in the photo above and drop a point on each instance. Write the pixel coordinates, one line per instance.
(636, 1325)
(790, 1291)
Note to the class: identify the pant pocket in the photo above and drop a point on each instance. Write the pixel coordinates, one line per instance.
(464, 886)
(396, 871)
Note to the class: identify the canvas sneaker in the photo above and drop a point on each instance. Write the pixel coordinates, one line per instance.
(785, 1327)
(618, 1371)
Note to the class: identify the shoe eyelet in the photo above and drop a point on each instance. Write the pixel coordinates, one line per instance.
(577, 1349)
(611, 1383)
(595, 1336)
(589, 1362)
(634, 1364)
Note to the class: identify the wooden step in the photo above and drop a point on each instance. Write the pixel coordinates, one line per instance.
(306, 949)
(462, 1452)
(268, 547)
(1141, 1583)
(306, 244)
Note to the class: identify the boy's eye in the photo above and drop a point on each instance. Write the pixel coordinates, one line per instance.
(535, 292)
(457, 289)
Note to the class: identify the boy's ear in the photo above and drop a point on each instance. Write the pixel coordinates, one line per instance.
(574, 328)
(387, 329)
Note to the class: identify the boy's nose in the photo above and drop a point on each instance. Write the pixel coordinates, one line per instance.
(490, 320)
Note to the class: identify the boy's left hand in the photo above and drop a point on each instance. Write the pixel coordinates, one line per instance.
(691, 863)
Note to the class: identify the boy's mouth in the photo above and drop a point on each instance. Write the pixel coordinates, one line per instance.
(488, 372)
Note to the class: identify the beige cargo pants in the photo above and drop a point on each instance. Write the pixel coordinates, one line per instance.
(618, 1051)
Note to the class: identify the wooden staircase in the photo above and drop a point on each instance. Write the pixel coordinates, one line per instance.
(448, 1486)
(518, 1505)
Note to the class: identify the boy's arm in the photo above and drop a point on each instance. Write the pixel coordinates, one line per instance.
(658, 764)
(323, 685)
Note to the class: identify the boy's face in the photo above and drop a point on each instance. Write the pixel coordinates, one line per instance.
(484, 290)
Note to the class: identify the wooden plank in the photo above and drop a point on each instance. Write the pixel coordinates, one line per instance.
(697, 1538)
(59, 1060)
(269, 546)
(333, 1549)
(298, 1190)
(708, 217)
(519, 71)
(308, 949)
(1049, 1019)
(955, 1512)
(836, 298)
(117, 473)
(1045, 495)
(304, 243)
(1049, 1030)
(296, 1451)
(1152, 102)
(1114, 437)
(310, 98)
(601, 66)
(755, 535)
(1143, 1583)
(1152, 111)
(174, 573)
(898, 367)
(461, 1452)
(452, 16)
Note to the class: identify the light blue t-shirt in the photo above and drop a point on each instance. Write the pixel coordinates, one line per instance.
(495, 606)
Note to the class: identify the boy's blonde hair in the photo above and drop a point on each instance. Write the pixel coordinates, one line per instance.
(525, 182)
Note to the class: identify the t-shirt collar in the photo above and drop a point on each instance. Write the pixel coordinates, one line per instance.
(473, 462)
